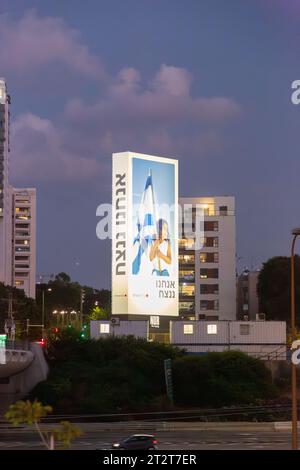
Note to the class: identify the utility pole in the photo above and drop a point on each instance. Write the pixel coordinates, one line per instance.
(10, 326)
(82, 296)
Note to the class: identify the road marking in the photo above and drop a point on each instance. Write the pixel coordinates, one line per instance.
(12, 444)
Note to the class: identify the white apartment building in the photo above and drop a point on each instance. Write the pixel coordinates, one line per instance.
(248, 302)
(24, 240)
(207, 273)
(17, 216)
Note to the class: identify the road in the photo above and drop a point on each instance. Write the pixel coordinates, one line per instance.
(170, 440)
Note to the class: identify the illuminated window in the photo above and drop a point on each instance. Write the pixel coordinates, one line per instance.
(209, 273)
(187, 290)
(19, 283)
(188, 329)
(209, 257)
(186, 307)
(104, 328)
(212, 329)
(154, 321)
(187, 275)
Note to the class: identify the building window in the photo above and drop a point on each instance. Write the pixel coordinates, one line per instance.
(186, 307)
(186, 259)
(154, 321)
(22, 242)
(22, 225)
(187, 276)
(212, 329)
(209, 305)
(187, 290)
(209, 273)
(244, 329)
(223, 210)
(210, 242)
(211, 226)
(104, 328)
(209, 257)
(188, 329)
(19, 283)
(187, 243)
(209, 288)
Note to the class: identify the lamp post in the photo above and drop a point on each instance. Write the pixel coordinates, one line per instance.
(43, 309)
(295, 233)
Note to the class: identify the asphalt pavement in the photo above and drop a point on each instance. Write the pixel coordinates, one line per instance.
(246, 439)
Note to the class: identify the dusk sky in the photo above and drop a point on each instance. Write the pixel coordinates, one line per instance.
(205, 81)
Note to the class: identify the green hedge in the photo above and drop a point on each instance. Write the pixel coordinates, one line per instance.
(127, 374)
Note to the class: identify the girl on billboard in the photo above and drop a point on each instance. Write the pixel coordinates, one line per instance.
(160, 252)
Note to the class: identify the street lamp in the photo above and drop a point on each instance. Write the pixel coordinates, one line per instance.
(295, 233)
(63, 312)
(43, 309)
(55, 312)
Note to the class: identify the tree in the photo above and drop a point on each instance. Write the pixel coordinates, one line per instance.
(63, 277)
(31, 413)
(273, 288)
(98, 313)
(23, 308)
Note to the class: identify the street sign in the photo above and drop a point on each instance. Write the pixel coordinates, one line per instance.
(169, 379)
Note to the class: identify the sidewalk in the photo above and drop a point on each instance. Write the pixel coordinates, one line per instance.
(165, 426)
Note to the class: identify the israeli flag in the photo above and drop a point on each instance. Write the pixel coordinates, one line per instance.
(146, 228)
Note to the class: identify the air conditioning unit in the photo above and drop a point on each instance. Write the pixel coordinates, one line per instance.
(115, 321)
(260, 317)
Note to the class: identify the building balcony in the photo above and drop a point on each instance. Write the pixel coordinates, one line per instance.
(22, 249)
(187, 279)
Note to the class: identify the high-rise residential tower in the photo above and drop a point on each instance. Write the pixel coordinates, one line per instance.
(5, 190)
(207, 273)
(17, 216)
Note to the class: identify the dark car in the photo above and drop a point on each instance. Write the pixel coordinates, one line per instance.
(137, 442)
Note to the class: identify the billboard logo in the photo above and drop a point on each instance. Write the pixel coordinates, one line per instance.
(296, 352)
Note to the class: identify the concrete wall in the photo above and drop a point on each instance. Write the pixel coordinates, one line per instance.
(139, 329)
(17, 386)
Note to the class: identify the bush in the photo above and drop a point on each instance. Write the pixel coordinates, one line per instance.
(127, 374)
(218, 379)
(106, 375)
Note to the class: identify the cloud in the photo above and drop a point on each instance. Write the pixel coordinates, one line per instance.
(159, 117)
(39, 154)
(163, 113)
(166, 100)
(32, 41)
(172, 81)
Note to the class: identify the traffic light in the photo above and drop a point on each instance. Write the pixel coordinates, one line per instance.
(83, 333)
(55, 330)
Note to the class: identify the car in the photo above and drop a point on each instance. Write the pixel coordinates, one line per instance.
(137, 442)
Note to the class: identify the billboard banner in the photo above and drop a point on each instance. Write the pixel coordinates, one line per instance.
(144, 235)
